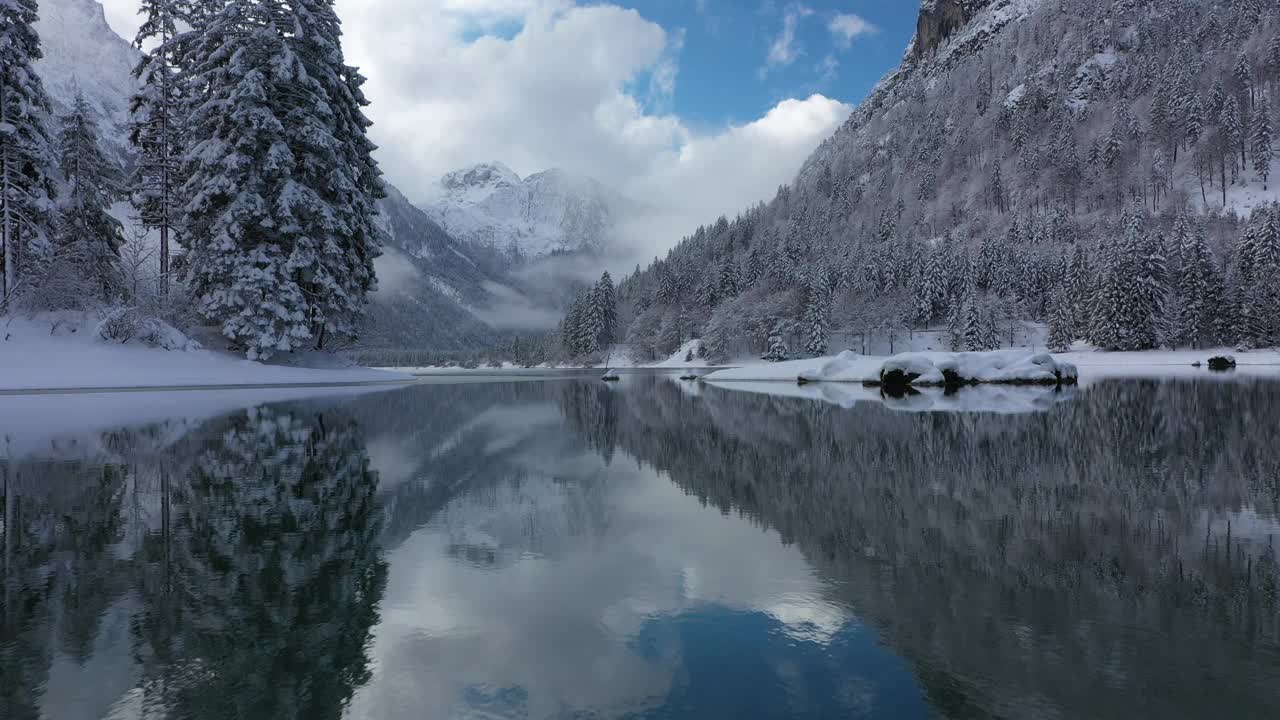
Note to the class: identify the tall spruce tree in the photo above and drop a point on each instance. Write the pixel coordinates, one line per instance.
(1062, 322)
(1199, 291)
(605, 298)
(87, 233)
(1261, 147)
(817, 313)
(155, 127)
(26, 153)
(238, 167)
(337, 182)
(280, 178)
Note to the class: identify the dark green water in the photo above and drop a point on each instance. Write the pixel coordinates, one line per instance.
(570, 549)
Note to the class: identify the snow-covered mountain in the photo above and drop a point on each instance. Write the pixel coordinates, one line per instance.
(82, 54)
(549, 212)
(987, 180)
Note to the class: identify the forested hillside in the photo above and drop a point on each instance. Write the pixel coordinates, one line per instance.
(1103, 166)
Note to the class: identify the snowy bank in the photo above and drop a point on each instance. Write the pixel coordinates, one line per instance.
(1006, 367)
(67, 352)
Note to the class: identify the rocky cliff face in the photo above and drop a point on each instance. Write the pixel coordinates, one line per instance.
(939, 19)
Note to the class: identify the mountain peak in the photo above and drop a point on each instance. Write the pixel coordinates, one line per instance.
(547, 212)
(489, 175)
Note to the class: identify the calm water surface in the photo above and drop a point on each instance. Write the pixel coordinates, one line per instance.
(567, 549)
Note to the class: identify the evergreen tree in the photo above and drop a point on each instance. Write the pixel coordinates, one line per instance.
(26, 159)
(1149, 292)
(728, 279)
(1078, 290)
(1262, 150)
(970, 333)
(817, 313)
(281, 185)
(705, 297)
(931, 290)
(1257, 280)
(755, 267)
(238, 167)
(155, 130)
(1232, 123)
(337, 181)
(778, 350)
(1062, 322)
(87, 232)
(606, 300)
(1199, 293)
(1273, 57)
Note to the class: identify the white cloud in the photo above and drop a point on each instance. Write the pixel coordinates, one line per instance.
(784, 49)
(537, 84)
(846, 27)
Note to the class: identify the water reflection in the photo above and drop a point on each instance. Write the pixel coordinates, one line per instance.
(652, 550)
(232, 573)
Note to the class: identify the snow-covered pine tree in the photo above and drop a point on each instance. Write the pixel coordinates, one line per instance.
(26, 154)
(1261, 294)
(1151, 288)
(1062, 322)
(754, 269)
(778, 350)
(1108, 324)
(1233, 126)
(706, 295)
(238, 168)
(728, 283)
(604, 296)
(1273, 58)
(1243, 74)
(591, 324)
(1199, 292)
(337, 182)
(931, 291)
(1079, 289)
(87, 233)
(817, 313)
(1263, 152)
(971, 335)
(279, 177)
(155, 130)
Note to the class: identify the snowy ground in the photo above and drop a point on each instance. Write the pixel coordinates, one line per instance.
(60, 352)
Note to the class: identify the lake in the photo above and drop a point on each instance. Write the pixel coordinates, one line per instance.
(647, 549)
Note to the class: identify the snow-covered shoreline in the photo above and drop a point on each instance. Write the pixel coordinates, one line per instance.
(38, 355)
(1089, 366)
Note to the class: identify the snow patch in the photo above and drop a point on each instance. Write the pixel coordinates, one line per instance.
(64, 351)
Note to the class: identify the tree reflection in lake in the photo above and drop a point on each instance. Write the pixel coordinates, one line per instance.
(652, 549)
(239, 567)
(1113, 557)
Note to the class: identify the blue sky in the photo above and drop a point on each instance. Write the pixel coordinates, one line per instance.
(724, 70)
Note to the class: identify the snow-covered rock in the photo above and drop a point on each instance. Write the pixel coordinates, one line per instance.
(1002, 367)
(551, 211)
(1008, 367)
